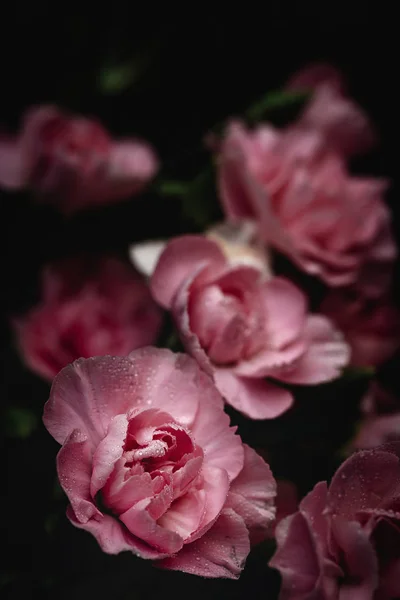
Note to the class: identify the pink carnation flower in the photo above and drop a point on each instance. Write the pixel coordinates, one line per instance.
(72, 162)
(244, 326)
(371, 327)
(343, 124)
(306, 205)
(151, 465)
(88, 307)
(344, 542)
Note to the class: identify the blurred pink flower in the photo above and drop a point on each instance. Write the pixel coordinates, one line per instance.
(243, 326)
(377, 430)
(330, 112)
(304, 202)
(381, 421)
(71, 161)
(371, 327)
(150, 464)
(88, 307)
(344, 542)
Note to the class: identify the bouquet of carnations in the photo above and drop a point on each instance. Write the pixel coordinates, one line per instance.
(222, 383)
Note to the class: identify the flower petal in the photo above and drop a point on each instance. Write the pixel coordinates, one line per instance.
(113, 537)
(255, 398)
(180, 259)
(252, 495)
(89, 393)
(145, 256)
(327, 354)
(74, 471)
(221, 552)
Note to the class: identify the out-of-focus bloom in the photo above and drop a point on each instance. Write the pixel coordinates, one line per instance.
(72, 162)
(343, 124)
(378, 400)
(151, 465)
(243, 326)
(378, 430)
(381, 421)
(240, 244)
(88, 307)
(344, 542)
(305, 204)
(238, 241)
(371, 327)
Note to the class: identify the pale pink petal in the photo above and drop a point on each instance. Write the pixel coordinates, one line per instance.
(360, 559)
(183, 477)
(215, 485)
(121, 493)
(180, 312)
(108, 452)
(173, 383)
(113, 537)
(240, 244)
(343, 123)
(145, 256)
(252, 495)
(219, 321)
(89, 393)
(255, 398)
(327, 355)
(296, 559)
(270, 362)
(221, 552)
(286, 307)
(364, 481)
(74, 471)
(185, 514)
(222, 448)
(181, 258)
(243, 196)
(139, 522)
(132, 163)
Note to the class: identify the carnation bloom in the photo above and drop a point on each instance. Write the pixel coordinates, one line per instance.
(344, 542)
(343, 124)
(88, 307)
(381, 421)
(72, 162)
(371, 327)
(150, 464)
(305, 204)
(244, 326)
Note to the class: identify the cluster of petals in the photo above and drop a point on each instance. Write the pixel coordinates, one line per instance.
(72, 162)
(344, 541)
(150, 464)
(88, 306)
(294, 183)
(244, 326)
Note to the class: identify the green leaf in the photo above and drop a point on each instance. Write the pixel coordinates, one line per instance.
(273, 101)
(117, 78)
(352, 373)
(171, 188)
(19, 422)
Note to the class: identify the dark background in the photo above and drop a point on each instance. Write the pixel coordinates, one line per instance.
(193, 68)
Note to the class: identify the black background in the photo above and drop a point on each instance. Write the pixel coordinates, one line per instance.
(199, 65)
